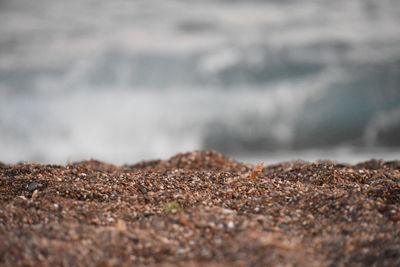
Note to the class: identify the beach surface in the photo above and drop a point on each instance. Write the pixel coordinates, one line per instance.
(200, 208)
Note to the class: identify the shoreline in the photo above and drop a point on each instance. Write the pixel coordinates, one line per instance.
(200, 208)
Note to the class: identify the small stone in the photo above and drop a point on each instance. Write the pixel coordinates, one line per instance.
(227, 211)
(33, 186)
(181, 251)
(35, 193)
(121, 225)
(230, 225)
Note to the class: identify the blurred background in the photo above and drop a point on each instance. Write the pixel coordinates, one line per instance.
(124, 81)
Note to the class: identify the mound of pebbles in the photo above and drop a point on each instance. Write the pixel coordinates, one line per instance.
(200, 208)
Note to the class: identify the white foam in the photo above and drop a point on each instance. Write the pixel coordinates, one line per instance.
(168, 86)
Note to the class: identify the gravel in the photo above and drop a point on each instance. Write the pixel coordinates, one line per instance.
(200, 208)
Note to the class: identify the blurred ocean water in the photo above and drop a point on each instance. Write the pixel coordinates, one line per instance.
(124, 81)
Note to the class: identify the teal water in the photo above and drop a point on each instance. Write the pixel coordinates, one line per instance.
(124, 81)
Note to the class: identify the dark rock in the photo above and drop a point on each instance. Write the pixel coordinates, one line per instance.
(33, 186)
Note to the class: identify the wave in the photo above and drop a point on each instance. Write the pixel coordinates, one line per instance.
(156, 78)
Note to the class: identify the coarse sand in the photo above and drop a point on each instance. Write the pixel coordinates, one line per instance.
(200, 208)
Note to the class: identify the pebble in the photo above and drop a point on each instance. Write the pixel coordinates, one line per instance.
(181, 251)
(33, 186)
(35, 193)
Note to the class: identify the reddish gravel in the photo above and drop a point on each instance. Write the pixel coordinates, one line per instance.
(200, 208)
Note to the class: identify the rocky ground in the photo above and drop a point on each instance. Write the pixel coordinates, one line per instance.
(200, 208)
